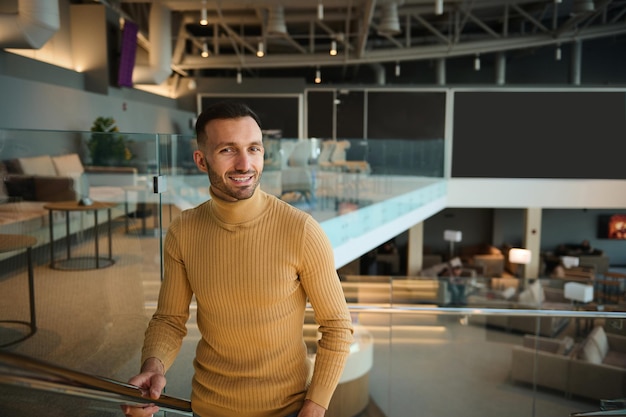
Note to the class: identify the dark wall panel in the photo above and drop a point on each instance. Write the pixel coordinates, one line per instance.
(405, 115)
(539, 135)
(319, 114)
(275, 112)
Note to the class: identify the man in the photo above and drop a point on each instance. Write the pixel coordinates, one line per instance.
(252, 261)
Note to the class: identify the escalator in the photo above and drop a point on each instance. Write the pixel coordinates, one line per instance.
(30, 387)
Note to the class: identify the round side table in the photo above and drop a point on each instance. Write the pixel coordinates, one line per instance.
(89, 262)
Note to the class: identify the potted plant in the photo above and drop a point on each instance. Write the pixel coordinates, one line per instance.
(107, 148)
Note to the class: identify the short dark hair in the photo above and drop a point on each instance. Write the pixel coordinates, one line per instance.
(223, 110)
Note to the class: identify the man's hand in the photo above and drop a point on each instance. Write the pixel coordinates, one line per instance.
(311, 409)
(151, 382)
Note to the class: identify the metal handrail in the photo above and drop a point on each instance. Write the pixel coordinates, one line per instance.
(22, 371)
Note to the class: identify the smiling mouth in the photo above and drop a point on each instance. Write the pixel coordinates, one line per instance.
(241, 179)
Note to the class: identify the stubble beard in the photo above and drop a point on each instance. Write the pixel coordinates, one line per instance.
(239, 193)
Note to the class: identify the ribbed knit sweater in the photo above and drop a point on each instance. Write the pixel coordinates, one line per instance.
(252, 265)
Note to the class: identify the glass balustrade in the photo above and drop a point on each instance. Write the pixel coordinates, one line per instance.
(415, 353)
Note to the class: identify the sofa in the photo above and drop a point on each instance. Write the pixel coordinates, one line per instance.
(28, 183)
(593, 368)
(509, 293)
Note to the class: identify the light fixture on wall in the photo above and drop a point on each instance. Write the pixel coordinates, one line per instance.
(203, 14)
(260, 52)
(205, 50)
(318, 76)
(477, 63)
(239, 77)
(333, 47)
(452, 236)
(389, 22)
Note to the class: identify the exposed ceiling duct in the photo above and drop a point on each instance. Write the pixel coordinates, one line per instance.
(389, 23)
(276, 23)
(28, 24)
(160, 51)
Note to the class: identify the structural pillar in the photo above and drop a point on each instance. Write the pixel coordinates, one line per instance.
(532, 241)
(415, 249)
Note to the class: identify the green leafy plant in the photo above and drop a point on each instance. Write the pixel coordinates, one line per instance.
(105, 147)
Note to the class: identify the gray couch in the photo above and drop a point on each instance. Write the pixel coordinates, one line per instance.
(594, 368)
(505, 293)
(31, 182)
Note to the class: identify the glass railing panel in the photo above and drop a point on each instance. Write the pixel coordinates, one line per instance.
(85, 315)
(62, 391)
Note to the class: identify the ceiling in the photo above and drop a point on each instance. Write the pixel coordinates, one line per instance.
(367, 32)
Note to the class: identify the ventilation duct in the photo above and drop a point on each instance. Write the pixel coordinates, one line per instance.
(29, 25)
(276, 22)
(389, 22)
(160, 53)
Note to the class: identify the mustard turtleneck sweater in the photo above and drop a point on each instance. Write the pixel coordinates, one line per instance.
(252, 265)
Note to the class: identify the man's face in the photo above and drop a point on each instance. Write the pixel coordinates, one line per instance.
(232, 156)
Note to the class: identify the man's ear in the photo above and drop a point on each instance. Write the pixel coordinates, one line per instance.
(200, 160)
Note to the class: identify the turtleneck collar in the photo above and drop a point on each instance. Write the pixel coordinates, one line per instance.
(241, 211)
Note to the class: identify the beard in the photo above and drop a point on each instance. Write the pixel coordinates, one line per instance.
(236, 192)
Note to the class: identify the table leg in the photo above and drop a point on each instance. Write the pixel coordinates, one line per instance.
(31, 290)
(51, 238)
(95, 216)
(68, 238)
(109, 233)
(126, 210)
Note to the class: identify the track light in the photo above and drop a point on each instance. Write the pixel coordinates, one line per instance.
(438, 7)
(320, 11)
(318, 76)
(397, 69)
(203, 14)
(477, 63)
(333, 47)
(239, 79)
(205, 50)
(260, 52)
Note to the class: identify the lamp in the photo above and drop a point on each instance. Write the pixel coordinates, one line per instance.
(205, 50)
(520, 257)
(276, 22)
(557, 53)
(260, 52)
(477, 63)
(318, 76)
(389, 22)
(438, 7)
(333, 47)
(320, 11)
(397, 69)
(452, 236)
(203, 14)
(239, 79)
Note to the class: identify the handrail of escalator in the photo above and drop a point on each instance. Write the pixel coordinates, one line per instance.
(19, 370)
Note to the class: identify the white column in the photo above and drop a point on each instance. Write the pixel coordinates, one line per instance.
(415, 249)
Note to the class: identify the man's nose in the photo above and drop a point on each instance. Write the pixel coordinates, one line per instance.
(242, 163)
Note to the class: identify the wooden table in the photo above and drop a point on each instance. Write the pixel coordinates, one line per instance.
(9, 243)
(88, 262)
